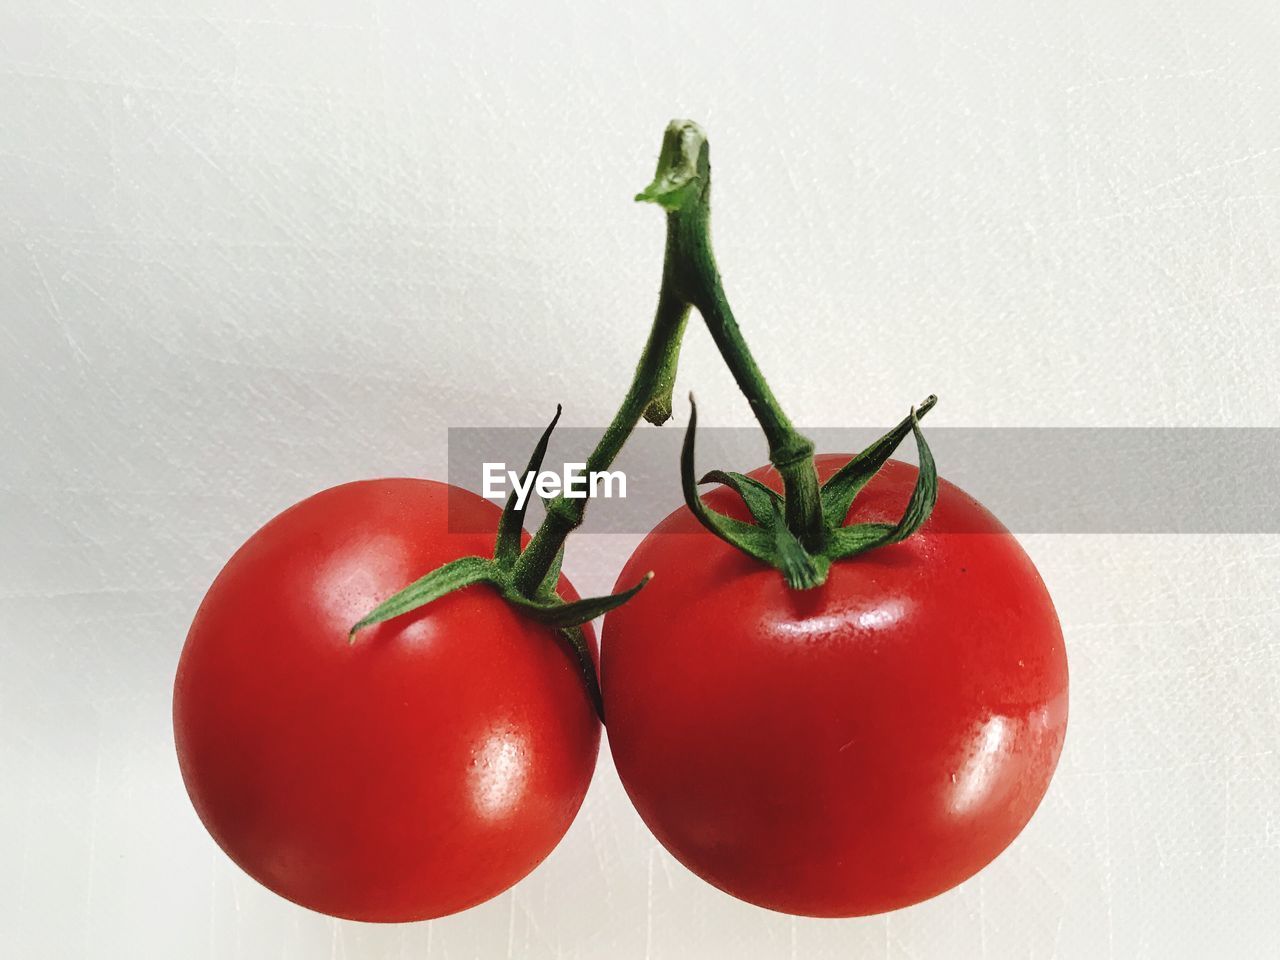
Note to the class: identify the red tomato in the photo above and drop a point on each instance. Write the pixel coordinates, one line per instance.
(849, 749)
(420, 770)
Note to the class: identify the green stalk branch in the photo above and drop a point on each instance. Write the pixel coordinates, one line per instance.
(649, 396)
(682, 186)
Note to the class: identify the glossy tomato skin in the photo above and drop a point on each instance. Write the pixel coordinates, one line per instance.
(845, 750)
(420, 770)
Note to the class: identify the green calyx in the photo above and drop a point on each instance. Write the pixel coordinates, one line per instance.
(543, 604)
(772, 540)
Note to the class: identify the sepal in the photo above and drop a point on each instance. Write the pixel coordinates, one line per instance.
(511, 524)
(572, 613)
(454, 575)
(846, 483)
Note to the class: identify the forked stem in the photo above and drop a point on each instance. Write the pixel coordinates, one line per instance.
(690, 278)
(682, 186)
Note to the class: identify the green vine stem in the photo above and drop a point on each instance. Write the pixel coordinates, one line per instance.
(527, 578)
(802, 531)
(690, 278)
(682, 186)
(649, 396)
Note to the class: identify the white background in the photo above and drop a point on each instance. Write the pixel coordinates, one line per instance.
(252, 248)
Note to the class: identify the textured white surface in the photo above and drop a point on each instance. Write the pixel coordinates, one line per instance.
(251, 248)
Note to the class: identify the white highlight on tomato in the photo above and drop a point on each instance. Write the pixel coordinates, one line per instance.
(826, 626)
(973, 781)
(355, 581)
(499, 773)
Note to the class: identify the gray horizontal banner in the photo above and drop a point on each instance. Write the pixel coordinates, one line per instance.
(1036, 480)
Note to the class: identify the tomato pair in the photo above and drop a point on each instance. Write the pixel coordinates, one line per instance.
(832, 752)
